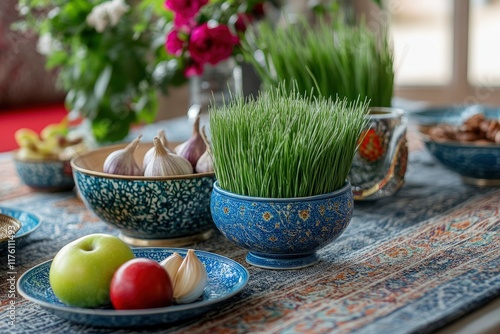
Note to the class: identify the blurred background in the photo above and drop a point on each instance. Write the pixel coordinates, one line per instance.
(447, 52)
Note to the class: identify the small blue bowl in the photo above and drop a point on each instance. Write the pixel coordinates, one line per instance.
(169, 211)
(45, 175)
(282, 233)
(477, 164)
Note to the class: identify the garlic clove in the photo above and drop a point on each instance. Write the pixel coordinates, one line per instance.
(193, 148)
(166, 164)
(172, 264)
(122, 161)
(205, 163)
(191, 279)
(149, 154)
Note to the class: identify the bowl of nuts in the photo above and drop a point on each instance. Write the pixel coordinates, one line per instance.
(465, 140)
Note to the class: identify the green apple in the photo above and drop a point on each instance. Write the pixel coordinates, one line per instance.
(81, 272)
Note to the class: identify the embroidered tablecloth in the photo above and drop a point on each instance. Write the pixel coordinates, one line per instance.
(405, 264)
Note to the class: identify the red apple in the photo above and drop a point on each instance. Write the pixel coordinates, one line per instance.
(139, 284)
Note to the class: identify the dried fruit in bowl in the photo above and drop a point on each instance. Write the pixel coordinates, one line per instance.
(475, 129)
(53, 142)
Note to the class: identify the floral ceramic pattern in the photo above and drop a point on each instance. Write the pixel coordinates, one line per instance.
(149, 209)
(281, 229)
(46, 175)
(225, 279)
(468, 160)
(379, 166)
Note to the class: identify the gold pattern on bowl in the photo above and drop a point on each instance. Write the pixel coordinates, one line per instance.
(8, 226)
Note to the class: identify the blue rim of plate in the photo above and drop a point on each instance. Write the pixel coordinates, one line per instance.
(452, 114)
(130, 318)
(30, 222)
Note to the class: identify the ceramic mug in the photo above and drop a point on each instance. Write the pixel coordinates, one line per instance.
(380, 164)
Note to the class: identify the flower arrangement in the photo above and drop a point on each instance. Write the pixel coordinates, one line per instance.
(285, 145)
(105, 53)
(114, 55)
(208, 32)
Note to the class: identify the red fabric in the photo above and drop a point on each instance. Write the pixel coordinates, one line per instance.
(35, 118)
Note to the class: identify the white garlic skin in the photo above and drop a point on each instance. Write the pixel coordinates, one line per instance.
(166, 164)
(204, 164)
(171, 265)
(191, 279)
(122, 161)
(193, 148)
(149, 154)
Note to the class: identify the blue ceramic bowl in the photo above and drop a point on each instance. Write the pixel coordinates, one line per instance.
(148, 211)
(282, 233)
(45, 175)
(477, 164)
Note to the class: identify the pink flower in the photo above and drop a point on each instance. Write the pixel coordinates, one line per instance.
(185, 8)
(193, 69)
(174, 44)
(243, 21)
(211, 45)
(181, 22)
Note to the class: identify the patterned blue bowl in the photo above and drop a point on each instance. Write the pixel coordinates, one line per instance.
(45, 175)
(477, 164)
(282, 233)
(149, 211)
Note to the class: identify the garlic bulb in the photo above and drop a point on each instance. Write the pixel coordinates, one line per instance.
(172, 264)
(205, 163)
(122, 161)
(193, 148)
(166, 164)
(191, 279)
(149, 154)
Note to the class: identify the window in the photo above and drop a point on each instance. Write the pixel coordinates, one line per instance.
(446, 51)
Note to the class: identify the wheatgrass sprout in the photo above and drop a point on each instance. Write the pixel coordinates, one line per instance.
(284, 145)
(334, 59)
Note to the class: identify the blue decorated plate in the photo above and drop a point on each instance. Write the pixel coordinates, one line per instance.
(29, 223)
(225, 278)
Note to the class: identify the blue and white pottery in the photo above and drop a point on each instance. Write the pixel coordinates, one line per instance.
(30, 222)
(225, 279)
(477, 164)
(282, 233)
(46, 175)
(148, 211)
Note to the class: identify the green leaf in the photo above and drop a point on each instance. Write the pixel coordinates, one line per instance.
(56, 59)
(101, 84)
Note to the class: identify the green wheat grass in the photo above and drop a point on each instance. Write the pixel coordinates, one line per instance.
(283, 144)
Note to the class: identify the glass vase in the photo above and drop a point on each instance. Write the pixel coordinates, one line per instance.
(217, 84)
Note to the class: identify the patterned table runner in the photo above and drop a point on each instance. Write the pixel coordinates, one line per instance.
(405, 264)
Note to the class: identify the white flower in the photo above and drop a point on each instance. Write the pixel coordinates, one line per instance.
(107, 13)
(46, 44)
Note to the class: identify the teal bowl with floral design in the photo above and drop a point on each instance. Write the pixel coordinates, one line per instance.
(149, 211)
(282, 233)
(45, 175)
